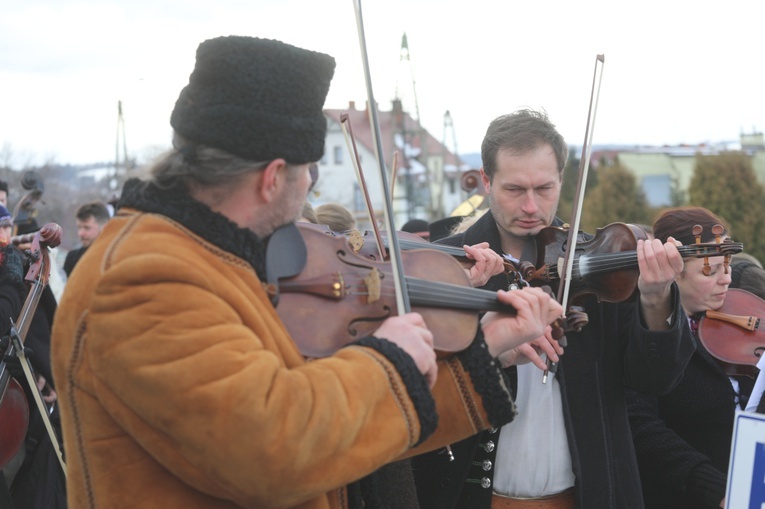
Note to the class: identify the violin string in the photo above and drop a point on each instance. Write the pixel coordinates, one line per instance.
(414, 244)
(432, 293)
(608, 262)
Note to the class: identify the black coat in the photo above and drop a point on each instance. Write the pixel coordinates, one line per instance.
(72, 257)
(613, 351)
(683, 438)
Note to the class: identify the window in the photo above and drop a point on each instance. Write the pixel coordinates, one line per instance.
(338, 154)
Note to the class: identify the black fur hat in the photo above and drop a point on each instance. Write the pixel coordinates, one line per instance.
(259, 99)
(442, 228)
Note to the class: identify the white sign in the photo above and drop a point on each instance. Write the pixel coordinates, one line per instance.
(746, 470)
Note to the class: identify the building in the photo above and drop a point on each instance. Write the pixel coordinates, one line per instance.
(665, 170)
(425, 181)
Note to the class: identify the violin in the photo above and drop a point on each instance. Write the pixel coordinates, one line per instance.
(364, 244)
(14, 416)
(347, 296)
(14, 408)
(735, 333)
(606, 265)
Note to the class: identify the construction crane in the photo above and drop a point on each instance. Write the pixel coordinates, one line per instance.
(423, 196)
(113, 182)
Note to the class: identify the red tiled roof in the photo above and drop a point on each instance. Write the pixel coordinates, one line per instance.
(389, 126)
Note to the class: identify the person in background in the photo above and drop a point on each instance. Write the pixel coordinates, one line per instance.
(4, 193)
(336, 217)
(570, 445)
(418, 227)
(308, 215)
(468, 221)
(12, 294)
(33, 479)
(683, 438)
(747, 274)
(444, 227)
(91, 218)
(181, 385)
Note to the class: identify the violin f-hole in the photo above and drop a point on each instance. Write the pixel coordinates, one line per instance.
(354, 332)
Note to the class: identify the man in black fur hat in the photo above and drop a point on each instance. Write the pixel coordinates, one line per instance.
(180, 384)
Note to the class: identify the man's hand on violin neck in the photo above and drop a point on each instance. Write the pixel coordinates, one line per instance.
(410, 333)
(659, 265)
(535, 309)
(533, 351)
(487, 263)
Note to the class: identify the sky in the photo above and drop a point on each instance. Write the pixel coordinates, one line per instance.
(675, 72)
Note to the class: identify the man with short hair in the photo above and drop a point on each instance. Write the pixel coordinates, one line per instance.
(181, 385)
(91, 218)
(570, 445)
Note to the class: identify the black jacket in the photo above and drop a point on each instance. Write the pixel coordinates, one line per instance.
(72, 257)
(613, 351)
(683, 438)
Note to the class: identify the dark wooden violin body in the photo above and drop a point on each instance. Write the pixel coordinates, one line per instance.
(735, 333)
(14, 417)
(338, 297)
(606, 265)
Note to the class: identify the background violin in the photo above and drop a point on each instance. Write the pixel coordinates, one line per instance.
(25, 212)
(14, 416)
(14, 408)
(735, 333)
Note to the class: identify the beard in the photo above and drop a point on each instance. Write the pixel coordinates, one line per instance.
(284, 211)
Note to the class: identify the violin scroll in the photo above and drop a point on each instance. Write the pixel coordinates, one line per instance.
(725, 247)
(26, 209)
(49, 236)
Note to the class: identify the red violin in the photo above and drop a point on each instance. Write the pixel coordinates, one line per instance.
(735, 333)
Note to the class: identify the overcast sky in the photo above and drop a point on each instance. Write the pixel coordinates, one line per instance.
(677, 71)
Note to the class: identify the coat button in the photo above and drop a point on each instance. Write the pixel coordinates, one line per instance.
(485, 482)
(488, 446)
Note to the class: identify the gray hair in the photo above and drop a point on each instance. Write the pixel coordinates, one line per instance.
(195, 164)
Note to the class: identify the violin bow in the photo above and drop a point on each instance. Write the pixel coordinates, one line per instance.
(345, 125)
(584, 166)
(394, 251)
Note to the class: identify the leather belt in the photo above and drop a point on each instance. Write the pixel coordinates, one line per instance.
(562, 500)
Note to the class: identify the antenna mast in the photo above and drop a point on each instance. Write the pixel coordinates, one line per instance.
(120, 134)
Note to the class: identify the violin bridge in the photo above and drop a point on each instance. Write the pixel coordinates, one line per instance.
(372, 282)
(356, 241)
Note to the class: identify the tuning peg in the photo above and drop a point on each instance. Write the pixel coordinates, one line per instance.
(707, 270)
